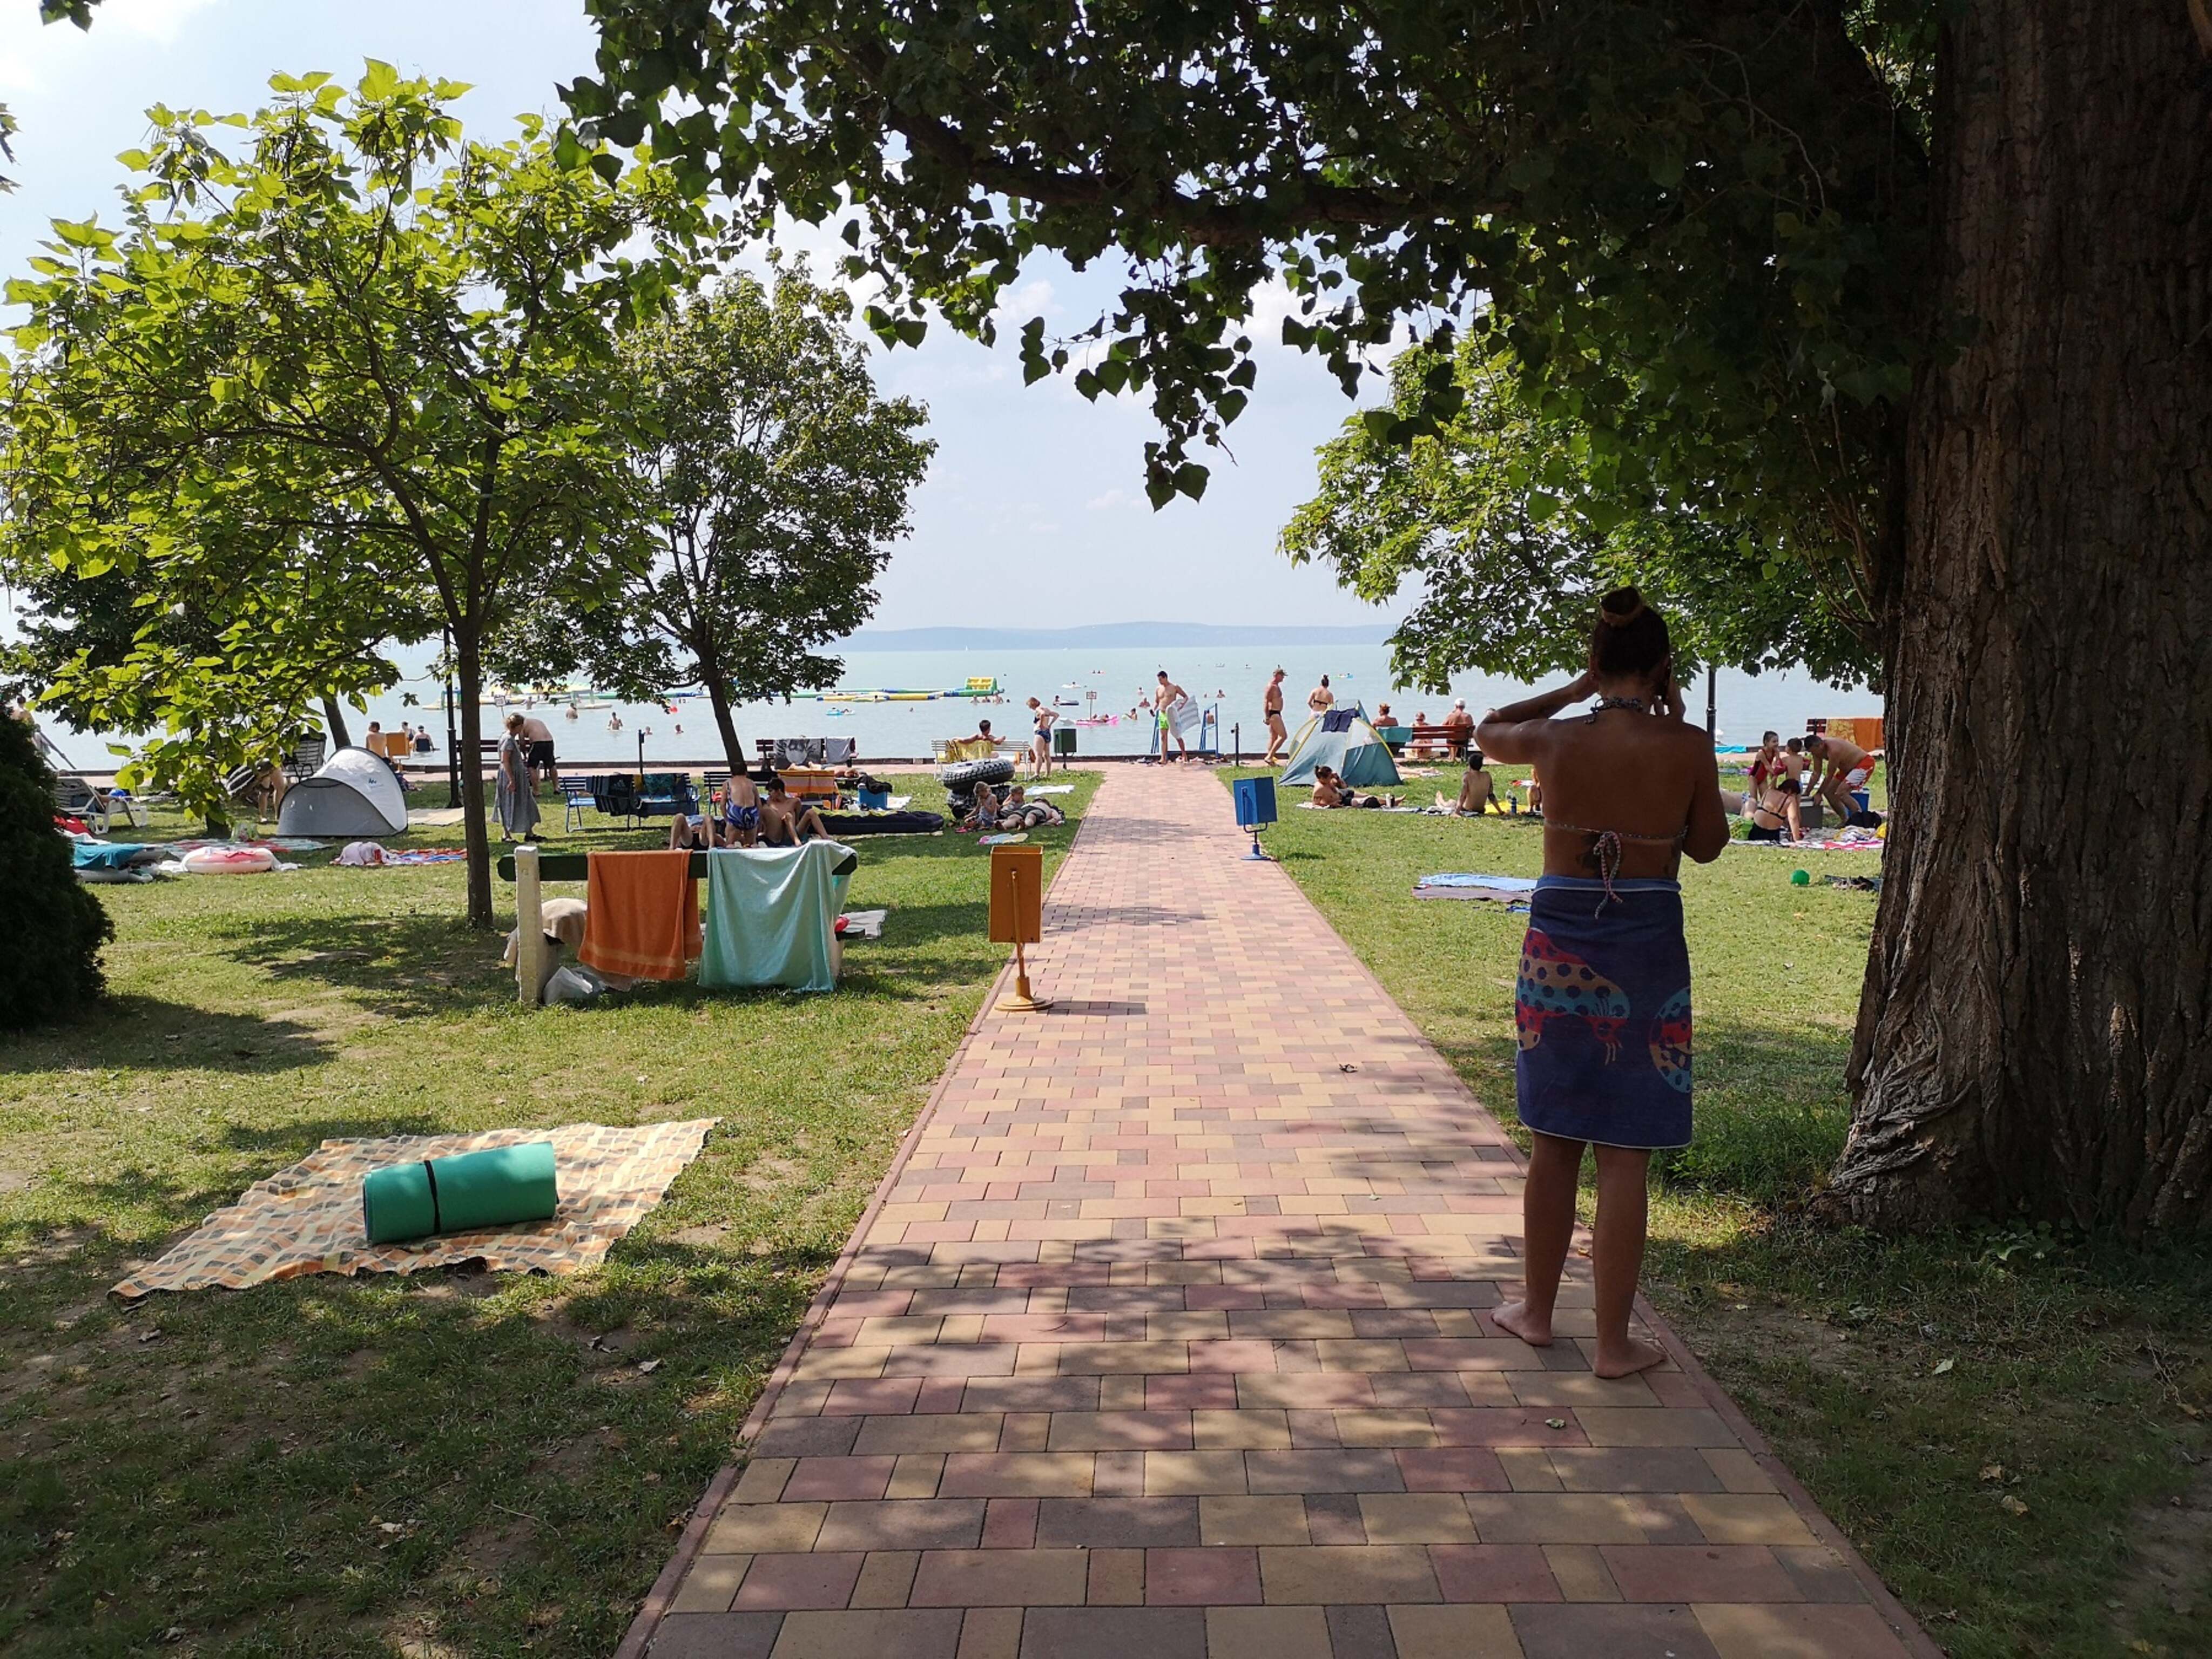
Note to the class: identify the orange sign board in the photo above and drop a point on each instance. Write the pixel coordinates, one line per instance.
(1016, 895)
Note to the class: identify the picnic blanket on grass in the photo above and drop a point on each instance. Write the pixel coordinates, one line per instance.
(307, 1219)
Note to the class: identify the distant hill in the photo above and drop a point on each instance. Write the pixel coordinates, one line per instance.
(1136, 634)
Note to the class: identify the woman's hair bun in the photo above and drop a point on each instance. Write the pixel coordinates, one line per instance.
(1621, 607)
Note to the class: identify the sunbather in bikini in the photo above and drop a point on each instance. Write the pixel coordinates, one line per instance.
(1331, 790)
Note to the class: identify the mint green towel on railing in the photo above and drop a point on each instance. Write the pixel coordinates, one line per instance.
(772, 916)
(497, 1186)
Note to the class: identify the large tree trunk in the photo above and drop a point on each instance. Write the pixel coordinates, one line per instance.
(468, 665)
(334, 717)
(2033, 1037)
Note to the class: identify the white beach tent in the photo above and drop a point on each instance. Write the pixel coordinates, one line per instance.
(355, 793)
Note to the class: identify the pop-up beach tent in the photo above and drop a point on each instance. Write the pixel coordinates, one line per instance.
(1342, 739)
(355, 793)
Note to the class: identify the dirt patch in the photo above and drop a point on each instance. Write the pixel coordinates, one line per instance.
(2172, 1543)
(766, 1174)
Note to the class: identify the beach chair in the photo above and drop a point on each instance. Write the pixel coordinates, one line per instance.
(76, 798)
(307, 758)
(576, 797)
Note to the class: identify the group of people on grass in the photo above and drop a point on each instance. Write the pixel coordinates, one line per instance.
(1012, 811)
(749, 813)
(1783, 775)
(1036, 758)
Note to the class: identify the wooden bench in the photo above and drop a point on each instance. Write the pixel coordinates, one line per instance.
(1433, 741)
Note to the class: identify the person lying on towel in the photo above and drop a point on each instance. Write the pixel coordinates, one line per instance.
(1018, 813)
(1330, 790)
(784, 822)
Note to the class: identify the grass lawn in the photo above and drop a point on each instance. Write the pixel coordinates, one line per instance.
(2012, 1425)
(455, 1463)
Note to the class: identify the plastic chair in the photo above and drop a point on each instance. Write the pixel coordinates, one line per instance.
(577, 797)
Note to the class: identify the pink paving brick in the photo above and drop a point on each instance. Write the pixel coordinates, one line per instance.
(1166, 1311)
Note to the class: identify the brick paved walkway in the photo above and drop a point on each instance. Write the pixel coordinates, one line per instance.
(1167, 1340)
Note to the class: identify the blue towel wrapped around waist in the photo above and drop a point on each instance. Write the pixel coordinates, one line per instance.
(1602, 1011)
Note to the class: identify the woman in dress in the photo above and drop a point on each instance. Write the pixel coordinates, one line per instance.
(1602, 1008)
(516, 797)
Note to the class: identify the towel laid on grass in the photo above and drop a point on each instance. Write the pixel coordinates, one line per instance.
(643, 919)
(772, 916)
(307, 1219)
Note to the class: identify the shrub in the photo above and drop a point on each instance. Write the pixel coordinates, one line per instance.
(53, 926)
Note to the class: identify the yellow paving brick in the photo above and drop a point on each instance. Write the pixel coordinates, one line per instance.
(1745, 1518)
(1458, 1632)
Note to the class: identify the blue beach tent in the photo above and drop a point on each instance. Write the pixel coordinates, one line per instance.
(1343, 740)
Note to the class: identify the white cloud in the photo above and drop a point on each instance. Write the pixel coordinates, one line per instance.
(31, 50)
(1110, 499)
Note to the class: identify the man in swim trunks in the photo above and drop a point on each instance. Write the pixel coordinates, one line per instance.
(784, 822)
(1271, 703)
(1839, 766)
(740, 811)
(1166, 702)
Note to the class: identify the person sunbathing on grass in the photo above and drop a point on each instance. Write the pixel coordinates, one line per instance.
(1018, 813)
(1477, 791)
(1331, 790)
(784, 822)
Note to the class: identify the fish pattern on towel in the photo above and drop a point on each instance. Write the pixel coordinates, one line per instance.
(1557, 984)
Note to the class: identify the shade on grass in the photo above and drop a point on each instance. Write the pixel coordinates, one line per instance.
(484, 1463)
(2000, 1418)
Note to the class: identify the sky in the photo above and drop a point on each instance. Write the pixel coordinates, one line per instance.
(1034, 514)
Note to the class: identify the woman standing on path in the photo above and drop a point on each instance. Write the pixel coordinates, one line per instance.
(1040, 754)
(516, 798)
(1602, 1008)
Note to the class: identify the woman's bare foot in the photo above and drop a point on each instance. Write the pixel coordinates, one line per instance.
(1524, 1322)
(1633, 1355)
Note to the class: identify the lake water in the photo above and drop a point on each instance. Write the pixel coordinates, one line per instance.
(1232, 678)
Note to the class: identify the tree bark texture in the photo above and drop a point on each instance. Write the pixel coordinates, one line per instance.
(334, 717)
(2036, 1033)
(468, 665)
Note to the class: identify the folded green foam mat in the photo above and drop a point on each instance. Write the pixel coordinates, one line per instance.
(495, 1187)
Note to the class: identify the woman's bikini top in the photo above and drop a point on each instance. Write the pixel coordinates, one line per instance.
(1604, 854)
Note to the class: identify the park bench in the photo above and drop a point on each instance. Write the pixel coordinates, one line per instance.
(1429, 741)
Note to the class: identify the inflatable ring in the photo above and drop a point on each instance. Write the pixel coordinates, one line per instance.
(229, 861)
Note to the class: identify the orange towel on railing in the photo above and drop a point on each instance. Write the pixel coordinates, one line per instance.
(643, 922)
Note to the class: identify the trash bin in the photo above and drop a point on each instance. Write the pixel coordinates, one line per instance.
(1063, 740)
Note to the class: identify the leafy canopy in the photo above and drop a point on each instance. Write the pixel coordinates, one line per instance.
(1494, 517)
(777, 480)
(353, 342)
(1696, 229)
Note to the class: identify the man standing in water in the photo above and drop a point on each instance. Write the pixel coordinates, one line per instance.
(1272, 703)
(1167, 704)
